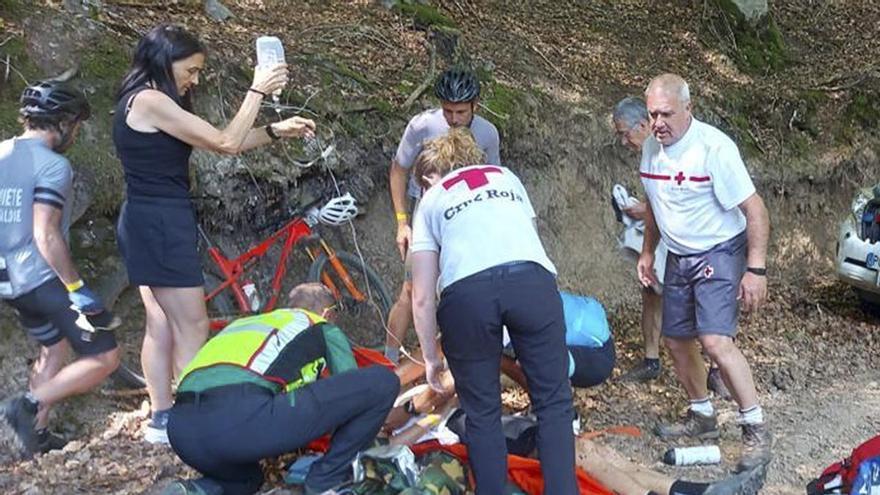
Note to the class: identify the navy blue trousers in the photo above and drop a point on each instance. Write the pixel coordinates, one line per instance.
(224, 432)
(524, 297)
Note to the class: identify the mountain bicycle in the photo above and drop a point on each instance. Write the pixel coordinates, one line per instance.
(362, 298)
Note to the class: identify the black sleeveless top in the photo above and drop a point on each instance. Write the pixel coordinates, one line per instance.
(156, 164)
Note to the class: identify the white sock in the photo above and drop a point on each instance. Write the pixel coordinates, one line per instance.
(751, 416)
(703, 407)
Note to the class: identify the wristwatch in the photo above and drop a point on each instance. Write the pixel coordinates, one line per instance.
(410, 408)
(757, 271)
(271, 133)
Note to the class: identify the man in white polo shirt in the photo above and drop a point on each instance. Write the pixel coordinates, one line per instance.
(704, 205)
(459, 92)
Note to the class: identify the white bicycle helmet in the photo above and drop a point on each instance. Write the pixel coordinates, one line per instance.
(339, 210)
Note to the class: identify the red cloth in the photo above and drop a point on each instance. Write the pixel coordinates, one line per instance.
(367, 357)
(524, 472)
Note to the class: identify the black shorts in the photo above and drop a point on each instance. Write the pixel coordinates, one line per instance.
(158, 239)
(592, 365)
(45, 313)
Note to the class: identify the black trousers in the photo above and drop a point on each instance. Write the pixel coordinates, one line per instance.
(524, 297)
(224, 432)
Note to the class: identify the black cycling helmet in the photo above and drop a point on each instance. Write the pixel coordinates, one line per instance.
(54, 98)
(457, 86)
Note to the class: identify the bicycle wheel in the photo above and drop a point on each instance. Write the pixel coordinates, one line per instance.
(364, 322)
(129, 374)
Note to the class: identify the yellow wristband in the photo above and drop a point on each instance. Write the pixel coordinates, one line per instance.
(429, 420)
(74, 286)
(401, 216)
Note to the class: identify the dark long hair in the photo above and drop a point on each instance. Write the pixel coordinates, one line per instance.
(155, 52)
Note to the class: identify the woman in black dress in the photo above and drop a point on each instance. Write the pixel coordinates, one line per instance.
(154, 131)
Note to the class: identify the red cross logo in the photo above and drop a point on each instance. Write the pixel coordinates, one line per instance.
(474, 178)
(679, 178)
(708, 271)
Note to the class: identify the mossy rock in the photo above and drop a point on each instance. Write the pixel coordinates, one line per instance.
(759, 45)
(424, 16)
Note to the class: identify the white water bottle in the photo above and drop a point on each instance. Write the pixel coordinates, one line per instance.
(253, 297)
(687, 456)
(270, 52)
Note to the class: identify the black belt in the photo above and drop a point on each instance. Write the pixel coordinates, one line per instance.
(220, 392)
(504, 269)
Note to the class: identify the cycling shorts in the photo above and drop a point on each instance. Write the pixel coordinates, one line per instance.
(46, 315)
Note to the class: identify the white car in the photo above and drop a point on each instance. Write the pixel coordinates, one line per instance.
(858, 249)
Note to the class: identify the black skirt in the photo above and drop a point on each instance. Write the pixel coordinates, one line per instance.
(158, 239)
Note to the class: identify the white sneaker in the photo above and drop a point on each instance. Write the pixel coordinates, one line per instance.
(156, 431)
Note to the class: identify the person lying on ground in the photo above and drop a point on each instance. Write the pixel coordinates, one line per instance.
(255, 390)
(601, 463)
(618, 474)
(38, 277)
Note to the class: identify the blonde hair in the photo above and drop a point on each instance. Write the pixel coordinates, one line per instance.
(441, 155)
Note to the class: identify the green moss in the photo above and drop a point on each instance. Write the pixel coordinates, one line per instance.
(424, 16)
(384, 107)
(106, 60)
(759, 46)
(10, 92)
(501, 102)
(863, 110)
(11, 10)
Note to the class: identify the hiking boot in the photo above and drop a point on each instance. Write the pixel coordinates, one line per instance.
(46, 441)
(745, 483)
(20, 415)
(644, 372)
(201, 486)
(757, 441)
(693, 425)
(156, 430)
(716, 384)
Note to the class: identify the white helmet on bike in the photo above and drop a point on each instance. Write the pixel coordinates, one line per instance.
(339, 210)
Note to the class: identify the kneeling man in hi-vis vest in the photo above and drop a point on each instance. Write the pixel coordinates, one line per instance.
(255, 391)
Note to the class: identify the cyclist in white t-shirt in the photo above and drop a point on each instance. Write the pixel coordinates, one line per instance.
(459, 92)
(474, 232)
(704, 205)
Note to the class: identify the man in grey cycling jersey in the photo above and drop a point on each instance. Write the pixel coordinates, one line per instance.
(459, 92)
(37, 275)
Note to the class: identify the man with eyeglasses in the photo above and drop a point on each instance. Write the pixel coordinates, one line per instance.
(256, 390)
